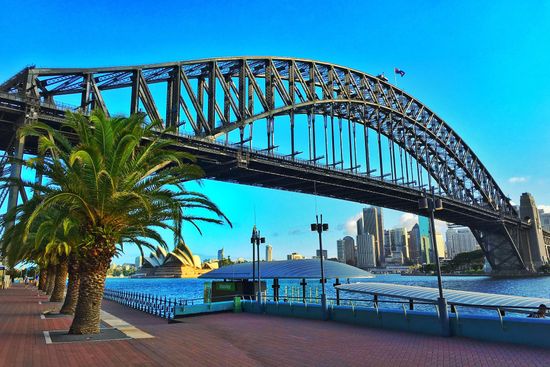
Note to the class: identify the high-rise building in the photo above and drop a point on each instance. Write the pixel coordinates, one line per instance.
(139, 262)
(460, 239)
(545, 221)
(350, 251)
(347, 252)
(366, 251)
(295, 256)
(415, 248)
(387, 243)
(440, 242)
(220, 255)
(340, 251)
(425, 243)
(318, 254)
(427, 248)
(400, 243)
(268, 253)
(372, 223)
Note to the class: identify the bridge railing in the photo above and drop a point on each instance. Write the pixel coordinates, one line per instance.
(20, 97)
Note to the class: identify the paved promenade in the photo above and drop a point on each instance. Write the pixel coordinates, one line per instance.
(237, 340)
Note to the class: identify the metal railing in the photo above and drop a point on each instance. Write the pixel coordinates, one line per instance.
(160, 306)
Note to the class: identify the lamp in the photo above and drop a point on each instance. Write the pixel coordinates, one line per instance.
(321, 227)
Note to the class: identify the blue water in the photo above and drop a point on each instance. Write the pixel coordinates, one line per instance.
(193, 288)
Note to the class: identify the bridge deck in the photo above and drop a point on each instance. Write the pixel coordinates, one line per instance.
(238, 339)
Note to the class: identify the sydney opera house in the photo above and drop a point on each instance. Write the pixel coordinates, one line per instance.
(179, 263)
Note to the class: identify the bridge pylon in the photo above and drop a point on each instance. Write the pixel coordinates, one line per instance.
(534, 251)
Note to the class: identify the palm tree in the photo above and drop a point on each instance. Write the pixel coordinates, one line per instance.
(49, 243)
(123, 181)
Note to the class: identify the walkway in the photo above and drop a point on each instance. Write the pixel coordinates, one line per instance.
(237, 340)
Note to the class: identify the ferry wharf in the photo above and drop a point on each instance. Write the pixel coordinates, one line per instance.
(235, 339)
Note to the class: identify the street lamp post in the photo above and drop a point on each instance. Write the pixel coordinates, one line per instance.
(253, 242)
(320, 227)
(256, 239)
(431, 205)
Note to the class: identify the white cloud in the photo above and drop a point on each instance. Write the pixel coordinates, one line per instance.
(518, 179)
(351, 224)
(408, 220)
(546, 208)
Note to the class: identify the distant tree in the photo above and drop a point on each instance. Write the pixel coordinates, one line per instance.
(225, 262)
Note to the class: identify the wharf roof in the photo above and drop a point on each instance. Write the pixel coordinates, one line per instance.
(455, 297)
(289, 269)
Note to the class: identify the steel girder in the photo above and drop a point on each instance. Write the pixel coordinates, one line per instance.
(219, 96)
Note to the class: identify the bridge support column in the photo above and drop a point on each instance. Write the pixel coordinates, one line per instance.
(537, 249)
(502, 246)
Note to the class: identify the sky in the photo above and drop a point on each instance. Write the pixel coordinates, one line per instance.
(480, 65)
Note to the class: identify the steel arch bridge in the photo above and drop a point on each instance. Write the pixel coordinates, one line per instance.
(340, 133)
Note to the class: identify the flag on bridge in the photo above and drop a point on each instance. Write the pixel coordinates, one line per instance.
(400, 72)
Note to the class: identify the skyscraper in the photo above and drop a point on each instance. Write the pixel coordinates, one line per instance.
(268, 253)
(346, 251)
(220, 254)
(372, 223)
(545, 221)
(366, 251)
(387, 243)
(399, 240)
(318, 254)
(460, 239)
(415, 247)
(340, 252)
(427, 248)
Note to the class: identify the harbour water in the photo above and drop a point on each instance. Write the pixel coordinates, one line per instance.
(192, 289)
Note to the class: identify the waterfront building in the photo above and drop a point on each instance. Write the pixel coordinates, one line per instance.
(460, 239)
(268, 253)
(295, 256)
(318, 254)
(220, 254)
(366, 251)
(139, 262)
(179, 263)
(427, 249)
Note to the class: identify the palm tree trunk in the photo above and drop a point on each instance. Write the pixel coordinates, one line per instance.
(42, 279)
(51, 279)
(60, 280)
(72, 289)
(93, 271)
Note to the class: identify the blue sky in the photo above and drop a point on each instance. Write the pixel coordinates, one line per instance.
(481, 65)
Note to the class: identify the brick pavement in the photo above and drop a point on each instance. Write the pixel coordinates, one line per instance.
(238, 340)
